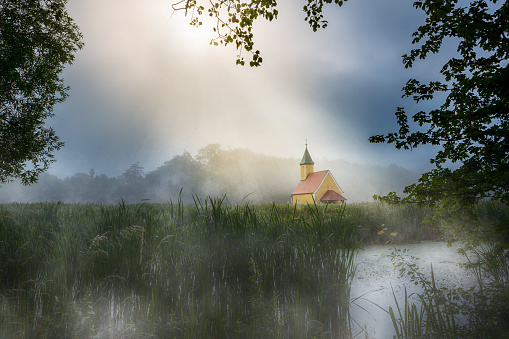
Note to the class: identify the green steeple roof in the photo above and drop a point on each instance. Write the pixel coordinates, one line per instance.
(306, 159)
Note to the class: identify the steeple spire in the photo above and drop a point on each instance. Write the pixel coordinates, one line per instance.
(306, 158)
(306, 165)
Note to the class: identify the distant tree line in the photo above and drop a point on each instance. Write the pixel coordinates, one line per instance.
(214, 171)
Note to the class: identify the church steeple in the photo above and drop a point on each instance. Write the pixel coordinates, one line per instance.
(316, 187)
(306, 165)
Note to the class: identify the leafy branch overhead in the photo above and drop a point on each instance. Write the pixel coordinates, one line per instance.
(471, 126)
(234, 20)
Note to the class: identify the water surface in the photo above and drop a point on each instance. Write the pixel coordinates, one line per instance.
(376, 278)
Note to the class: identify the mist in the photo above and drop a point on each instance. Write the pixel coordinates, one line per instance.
(215, 170)
(147, 86)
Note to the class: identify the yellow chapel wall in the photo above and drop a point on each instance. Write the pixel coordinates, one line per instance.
(305, 170)
(327, 184)
(304, 198)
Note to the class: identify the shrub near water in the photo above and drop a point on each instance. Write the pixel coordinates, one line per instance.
(175, 271)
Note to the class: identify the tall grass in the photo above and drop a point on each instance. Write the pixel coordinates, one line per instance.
(207, 270)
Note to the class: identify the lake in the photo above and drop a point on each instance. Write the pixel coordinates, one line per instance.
(376, 278)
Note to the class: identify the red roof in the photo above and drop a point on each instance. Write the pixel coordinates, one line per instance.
(311, 184)
(331, 195)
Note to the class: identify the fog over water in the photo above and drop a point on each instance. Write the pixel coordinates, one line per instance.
(376, 279)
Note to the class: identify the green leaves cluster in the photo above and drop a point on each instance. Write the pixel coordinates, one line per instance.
(471, 126)
(314, 12)
(37, 39)
(234, 22)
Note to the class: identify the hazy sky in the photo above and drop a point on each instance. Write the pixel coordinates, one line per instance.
(147, 86)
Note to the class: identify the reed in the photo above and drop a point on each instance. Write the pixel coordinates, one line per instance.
(445, 312)
(211, 269)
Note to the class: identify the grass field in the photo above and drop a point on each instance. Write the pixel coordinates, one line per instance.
(205, 270)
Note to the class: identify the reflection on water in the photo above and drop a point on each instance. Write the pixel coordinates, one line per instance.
(376, 278)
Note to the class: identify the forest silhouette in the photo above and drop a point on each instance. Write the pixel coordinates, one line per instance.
(241, 174)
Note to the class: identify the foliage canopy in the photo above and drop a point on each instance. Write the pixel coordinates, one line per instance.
(37, 39)
(471, 126)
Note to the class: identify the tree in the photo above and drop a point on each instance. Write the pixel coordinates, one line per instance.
(133, 188)
(471, 126)
(210, 156)
(178, 177)
(133, 175)
(37, 39)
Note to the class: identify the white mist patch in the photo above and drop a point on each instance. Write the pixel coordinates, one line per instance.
(148, 86)
(161, 78)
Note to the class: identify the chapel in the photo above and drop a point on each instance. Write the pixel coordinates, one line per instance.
(319, 187)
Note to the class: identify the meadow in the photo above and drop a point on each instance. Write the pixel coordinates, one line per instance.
(210, 269)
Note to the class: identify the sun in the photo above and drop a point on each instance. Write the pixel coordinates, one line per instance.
(177, 27)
